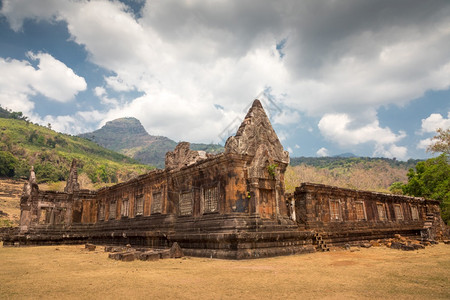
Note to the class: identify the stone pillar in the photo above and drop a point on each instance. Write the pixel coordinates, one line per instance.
(254, 189)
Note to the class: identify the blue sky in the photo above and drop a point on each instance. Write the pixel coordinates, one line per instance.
(367, 77)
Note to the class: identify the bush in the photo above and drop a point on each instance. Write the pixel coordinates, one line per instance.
(8, 164)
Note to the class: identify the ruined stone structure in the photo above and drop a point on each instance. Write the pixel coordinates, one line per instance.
(231, 205)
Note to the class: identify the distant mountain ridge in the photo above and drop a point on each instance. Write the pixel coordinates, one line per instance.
(129, 137)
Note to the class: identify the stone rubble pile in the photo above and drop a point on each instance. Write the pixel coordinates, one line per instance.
(398, 242)
(129, 254)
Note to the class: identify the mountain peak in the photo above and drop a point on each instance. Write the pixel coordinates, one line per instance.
(129, 137)
(125, 125)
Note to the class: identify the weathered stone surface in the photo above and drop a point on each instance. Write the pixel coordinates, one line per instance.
(175, 251)
(183, 156)
(149, 256)
(232, 205)
(128, 256)
(163, 254)
(72, 182)
(254, 132)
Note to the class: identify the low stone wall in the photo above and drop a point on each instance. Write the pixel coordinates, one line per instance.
(345, 216)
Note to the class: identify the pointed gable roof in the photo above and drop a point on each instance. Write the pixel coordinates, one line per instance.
(255, 131)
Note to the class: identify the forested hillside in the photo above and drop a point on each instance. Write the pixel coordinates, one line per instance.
(23, 144)
(362, 174)
(340, 162)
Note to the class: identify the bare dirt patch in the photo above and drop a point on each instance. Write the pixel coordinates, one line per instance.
(72, 272)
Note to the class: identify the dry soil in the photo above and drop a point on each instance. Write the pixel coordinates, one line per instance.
(66, 272)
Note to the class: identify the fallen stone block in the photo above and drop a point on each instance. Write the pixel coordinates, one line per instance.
(90, 247)
(447, 242)
(405, 247)
(366, 245)
(418, 246)
(396, 245)
(163, 254)
(149, 256)
(116, 255)
(128, 256)
(176, 251)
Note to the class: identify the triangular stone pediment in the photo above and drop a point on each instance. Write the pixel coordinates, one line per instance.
(254, 131)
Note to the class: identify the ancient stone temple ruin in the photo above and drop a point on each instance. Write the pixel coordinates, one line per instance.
(230, 205)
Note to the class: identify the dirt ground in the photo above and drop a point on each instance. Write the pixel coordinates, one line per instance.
(72, 272)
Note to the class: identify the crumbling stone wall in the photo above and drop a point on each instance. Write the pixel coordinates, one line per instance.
(344, 215)
(231, 205)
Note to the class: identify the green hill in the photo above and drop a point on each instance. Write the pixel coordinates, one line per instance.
(129, 137)
(362, 173)
(347, 162)
(23, 144)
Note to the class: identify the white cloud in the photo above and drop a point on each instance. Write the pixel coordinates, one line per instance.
(338, 128)
(391, 151)
(297, 146)
(16, 11)
(322, 152)
(289, 149)
(287, 117)
(423, 144)
(54, 79)
(435, 121)
(342, 61)
(100, 92)
(19, 80)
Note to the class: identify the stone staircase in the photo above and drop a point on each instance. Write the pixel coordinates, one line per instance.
(429, 220)
(320, 243)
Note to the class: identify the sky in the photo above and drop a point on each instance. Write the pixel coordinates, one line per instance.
(370, 78)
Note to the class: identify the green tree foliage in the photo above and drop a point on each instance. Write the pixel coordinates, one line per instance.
(49, 172)
(431, 179)
(8, 163)
(396, 188)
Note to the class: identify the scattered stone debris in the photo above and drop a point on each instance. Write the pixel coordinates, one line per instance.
(398, 242)
(447, 242)
(129, 254)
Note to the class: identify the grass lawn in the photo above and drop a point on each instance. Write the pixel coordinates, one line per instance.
(72, 272)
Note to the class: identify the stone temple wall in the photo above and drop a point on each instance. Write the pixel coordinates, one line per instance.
(345, 215)
(232, 205)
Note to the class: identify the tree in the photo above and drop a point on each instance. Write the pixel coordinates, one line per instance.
(441, 142)
(7, 164)
(431, 179)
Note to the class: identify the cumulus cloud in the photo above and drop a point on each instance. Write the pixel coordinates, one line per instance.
(423, 144)
(430, 125)
(338, 128)
(391, 151)
(435, 121)
(19, 80)
(322, 152)
(340, 60)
